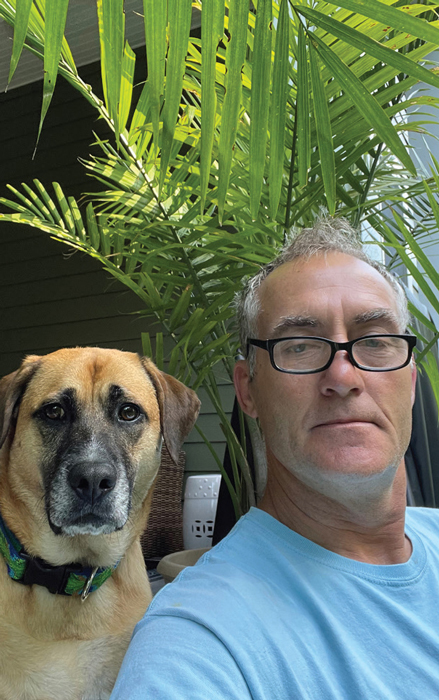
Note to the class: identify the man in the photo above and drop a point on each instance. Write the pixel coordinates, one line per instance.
(329, 589)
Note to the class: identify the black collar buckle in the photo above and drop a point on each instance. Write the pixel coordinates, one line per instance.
(39, 572)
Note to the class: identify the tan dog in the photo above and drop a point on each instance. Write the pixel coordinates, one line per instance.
(81, 433)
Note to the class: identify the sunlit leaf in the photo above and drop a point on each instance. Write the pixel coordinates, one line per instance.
(23, 9)
(179, 18)
(366, 103)
(361, 41)
(277, 125)
(112, 35)
(126, 85)
(260, 101)
(302, 110)
(235, 56)
(210, 22)
(398, 18)
(324, 131)
(155, 18)
(56, 15)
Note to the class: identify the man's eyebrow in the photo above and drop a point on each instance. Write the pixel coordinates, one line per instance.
(288, 322)
(386, 315)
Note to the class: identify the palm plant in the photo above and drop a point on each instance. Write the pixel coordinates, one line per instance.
(275, 113)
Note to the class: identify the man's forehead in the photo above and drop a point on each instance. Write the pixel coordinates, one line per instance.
(302, 292)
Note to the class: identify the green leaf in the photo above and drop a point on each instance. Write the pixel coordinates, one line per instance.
(175, 360)
(79, 224)
(324, 132)
(22, 14)
(365, 103)
(148, 284)
(68, 220)
(420, 256)
(180, 15)
(279, 107)
(104, 234)
(204, 350)
(141, 115)
(56, 15)
(260, 101)
(373, 48)
(53, 213)
(159, 351)
(155, 17)
(146, 344)
(30, 206)
(209, 24)
(303, 120)
(180, 308)
(398, 18)
(433, 203)
(218, 26)
(118, 241)
(92, 227)
(235, 56)
(111, 35)
(126, 85)
(39, 203)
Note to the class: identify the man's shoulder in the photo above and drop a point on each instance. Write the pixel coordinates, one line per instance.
(422, 514)
(221, 568)
(424, 521)
(241, 567)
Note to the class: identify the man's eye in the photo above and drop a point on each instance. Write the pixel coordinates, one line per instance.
(129, 412)
(298, 348)
(374, 343)
(54, 411)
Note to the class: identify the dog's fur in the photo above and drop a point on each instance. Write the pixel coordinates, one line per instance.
(56, 647)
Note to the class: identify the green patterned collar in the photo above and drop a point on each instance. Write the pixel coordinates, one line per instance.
(71, 579)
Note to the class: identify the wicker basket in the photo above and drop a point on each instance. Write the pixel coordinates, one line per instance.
(164, 531)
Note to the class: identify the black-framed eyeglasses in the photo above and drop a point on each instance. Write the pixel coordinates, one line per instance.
(309, 354)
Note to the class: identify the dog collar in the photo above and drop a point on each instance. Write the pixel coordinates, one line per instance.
(71, 579)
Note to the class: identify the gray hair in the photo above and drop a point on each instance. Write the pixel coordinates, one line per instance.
(325, 236)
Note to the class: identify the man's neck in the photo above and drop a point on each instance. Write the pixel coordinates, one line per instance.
(372, 531)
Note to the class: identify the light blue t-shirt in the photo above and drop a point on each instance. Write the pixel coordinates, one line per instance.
(269, 615)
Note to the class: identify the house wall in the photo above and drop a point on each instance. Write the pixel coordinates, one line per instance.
(51, 297)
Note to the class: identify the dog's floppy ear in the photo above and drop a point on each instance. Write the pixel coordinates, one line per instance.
(12, 388)
(179, 407)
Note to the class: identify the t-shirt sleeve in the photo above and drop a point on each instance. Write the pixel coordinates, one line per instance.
(172, 658)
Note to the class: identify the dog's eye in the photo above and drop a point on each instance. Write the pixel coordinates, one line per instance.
(54, 411)
(129, 412)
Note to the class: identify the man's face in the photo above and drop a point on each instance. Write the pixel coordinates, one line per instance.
(343, 420)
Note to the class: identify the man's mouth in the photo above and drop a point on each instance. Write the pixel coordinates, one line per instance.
(345, 421)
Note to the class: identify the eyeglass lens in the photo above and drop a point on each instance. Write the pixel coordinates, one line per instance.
(377, 352)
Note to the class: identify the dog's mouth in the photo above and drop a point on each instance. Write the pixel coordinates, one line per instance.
(72, 513)
(90, 524)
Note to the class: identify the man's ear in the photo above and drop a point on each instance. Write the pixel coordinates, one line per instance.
(12, 388)
(179, 407)
(243, 388)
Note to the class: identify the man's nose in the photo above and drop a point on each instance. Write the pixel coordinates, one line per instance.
(341, 377)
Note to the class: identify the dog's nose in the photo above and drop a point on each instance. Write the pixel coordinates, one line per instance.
(91, 481)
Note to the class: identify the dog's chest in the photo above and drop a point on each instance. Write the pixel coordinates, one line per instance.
(58, 648)
(60, 670)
